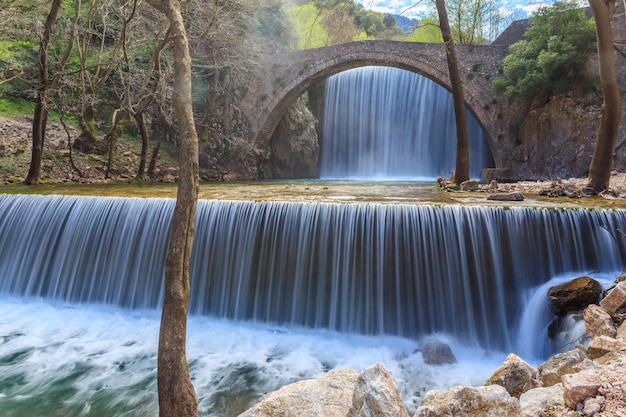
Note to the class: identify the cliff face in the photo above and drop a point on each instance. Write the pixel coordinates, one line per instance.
(294, 148)
(556, 140)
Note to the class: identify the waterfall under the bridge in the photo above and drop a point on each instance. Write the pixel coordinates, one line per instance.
(387, 123)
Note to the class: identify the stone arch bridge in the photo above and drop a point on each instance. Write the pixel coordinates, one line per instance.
(287, 76)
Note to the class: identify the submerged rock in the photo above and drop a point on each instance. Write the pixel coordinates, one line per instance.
(515, 375)
(436, 352)
(574, 295)
(485, 401)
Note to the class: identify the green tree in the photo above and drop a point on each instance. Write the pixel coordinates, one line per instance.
(554, 58)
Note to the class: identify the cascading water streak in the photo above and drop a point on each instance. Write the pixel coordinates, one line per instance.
(375, 269)
(387, 123)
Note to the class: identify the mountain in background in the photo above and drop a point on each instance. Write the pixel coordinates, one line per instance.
(407, 24)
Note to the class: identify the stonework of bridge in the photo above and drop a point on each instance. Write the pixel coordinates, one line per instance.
(290, 75)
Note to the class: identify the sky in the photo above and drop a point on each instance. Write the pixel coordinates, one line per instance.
(416, 8)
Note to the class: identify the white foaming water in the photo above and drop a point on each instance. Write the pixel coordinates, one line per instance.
(89, 360)
(533, 341)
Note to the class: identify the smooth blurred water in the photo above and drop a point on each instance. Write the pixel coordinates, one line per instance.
(386, 123)
(281, 291)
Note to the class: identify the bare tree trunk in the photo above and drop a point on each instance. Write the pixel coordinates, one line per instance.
(40, 118)
(602, 160)
(145, 143)
(177, 397)
(461, 170)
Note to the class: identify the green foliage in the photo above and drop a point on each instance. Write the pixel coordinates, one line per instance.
(322, 23)
(308, 26)
(16, 57)
(274, 26)
(554, 58)
(12, 107)
(427, 31)
(372, 23)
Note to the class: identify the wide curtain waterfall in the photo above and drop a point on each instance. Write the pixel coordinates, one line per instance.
(407, 270)
(388, 123)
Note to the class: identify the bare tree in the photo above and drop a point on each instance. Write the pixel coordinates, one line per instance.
(177, 397)
(602, 160)
(40, 117)
(461, 170)
(98, 46)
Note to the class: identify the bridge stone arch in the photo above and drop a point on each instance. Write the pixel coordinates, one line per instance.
(290, 75)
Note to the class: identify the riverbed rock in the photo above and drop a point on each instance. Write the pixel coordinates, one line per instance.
(515, 375)
(551, 371)
(513, 196)
(537, 399)
(601, 345)
(580, 386)
(376, 395)
(574, 295)
(469, 185)
(328, 395)
(621, 331)
(615, 300)
(598, 322)
(436, 352)
(485, 401)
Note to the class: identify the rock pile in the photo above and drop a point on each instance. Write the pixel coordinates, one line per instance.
(586, 381)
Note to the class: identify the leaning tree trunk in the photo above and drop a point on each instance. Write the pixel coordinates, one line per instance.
(177, 397)
(602, 160)
(461, 170)
(40, 118)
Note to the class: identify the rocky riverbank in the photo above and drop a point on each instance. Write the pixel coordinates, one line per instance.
(15, 150)
(587, 381)
(15, 146)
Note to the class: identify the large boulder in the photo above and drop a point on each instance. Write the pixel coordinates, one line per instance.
(339, 393)
(615, 300)
(601, 345)
(436, 352)
(551, 371)
(512, 196)
(621, 331)
(537, 399)
(515, 375)
(598, 322)
(376, 395)
(580, 386)
(574, 295)
(485, 401)
(328, 395)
